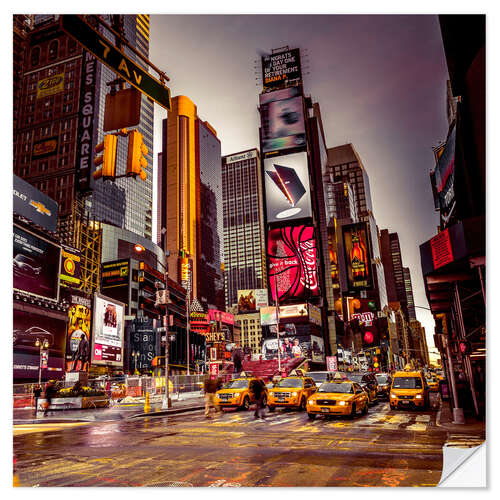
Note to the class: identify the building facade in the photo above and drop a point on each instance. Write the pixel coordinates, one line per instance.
(243, 222)
(251, 331)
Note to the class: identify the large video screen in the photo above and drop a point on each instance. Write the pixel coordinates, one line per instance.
(282, 121)
(288, 194)
(293, 262)
(36, 264)
(357, 256)
(108, 331)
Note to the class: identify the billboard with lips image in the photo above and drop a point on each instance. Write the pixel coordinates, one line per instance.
(292, 260)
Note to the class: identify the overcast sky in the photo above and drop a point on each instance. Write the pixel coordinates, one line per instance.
(380, 81)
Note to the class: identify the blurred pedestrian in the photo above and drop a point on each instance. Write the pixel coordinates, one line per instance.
(50, 391)
(210, 388)
(257, 387)
(37, 392)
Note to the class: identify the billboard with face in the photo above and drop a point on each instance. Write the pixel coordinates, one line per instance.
(282, 120)
(295, 346)
(36, 264)
(107, 348)
(293, 263)
(78, 338)
(29, 327)
(252, 300)
(357, 256)
(288, 195)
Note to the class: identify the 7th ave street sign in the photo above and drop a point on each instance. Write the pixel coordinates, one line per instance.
(109, 55)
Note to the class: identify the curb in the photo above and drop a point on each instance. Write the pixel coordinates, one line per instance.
(50, 421)
(172, 411)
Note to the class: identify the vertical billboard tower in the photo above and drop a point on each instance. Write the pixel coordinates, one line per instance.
(293, 247)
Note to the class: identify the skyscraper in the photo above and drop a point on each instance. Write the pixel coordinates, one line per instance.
(409, 294)
(244, 240)
(190, 203)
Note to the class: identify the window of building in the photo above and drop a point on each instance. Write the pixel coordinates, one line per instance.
(35, 56)
(53, 48)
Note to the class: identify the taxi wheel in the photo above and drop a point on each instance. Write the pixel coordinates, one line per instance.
(311, 416)
(271, 408)
(246, 403)
(353, 411)
(303, 404)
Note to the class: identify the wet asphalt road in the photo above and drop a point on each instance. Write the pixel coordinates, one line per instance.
(383, 448)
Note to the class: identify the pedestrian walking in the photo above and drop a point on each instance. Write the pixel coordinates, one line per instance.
(257, 388)
(210, 388)
(50, 390)
(37, 392)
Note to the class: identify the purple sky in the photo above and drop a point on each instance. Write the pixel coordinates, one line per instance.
(380, 81)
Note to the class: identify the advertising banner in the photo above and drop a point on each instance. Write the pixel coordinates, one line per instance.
(295, 346)
(268, 314)
(34, 205)
(282, 121)
(78, 337)
(50, 86)
(115, 273)
(252, 300)
(314, 314)
(36, 265)
(44, 148)
(28, 327)
(334, 265)
(247, 155)
(292, 258)
(357, 256)
(288, 195)
(70, 266)
(142, 341)
(445, 176)
(281, 69)
(331, 363)
(222, 316)
(108, 329)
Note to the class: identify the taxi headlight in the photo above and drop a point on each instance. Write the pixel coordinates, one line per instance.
(393, 395)
(342, 403)
(311, 402)
(294, 394)
(418, 396)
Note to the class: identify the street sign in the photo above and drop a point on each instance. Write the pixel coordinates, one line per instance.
(214, 369)
(161, 329)
(116, 60)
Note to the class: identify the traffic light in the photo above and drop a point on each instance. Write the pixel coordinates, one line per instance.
(107, 159)
(137, 151)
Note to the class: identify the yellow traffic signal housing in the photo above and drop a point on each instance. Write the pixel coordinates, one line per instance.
(107, 159)
(137, 151)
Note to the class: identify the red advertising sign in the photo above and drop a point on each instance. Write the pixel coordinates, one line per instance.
(222, 316)
(331, 363)
(442, 253)
(214, 369)
(357, 256)
(292, 257)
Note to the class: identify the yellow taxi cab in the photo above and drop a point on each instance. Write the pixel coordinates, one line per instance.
(291, 392)
(237, 393)
(432, 383)
(408, 390)
(339, 396)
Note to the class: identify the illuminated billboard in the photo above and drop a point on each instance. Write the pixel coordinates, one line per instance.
(281, 69)
(70, 266)
(357, 256)
(268, 314)
(252, 300)
(293, 263)
(36, 264)
(288, 195)
(282, 120)
(109, 319)
(78, 336)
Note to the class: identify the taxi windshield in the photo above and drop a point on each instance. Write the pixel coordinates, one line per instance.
(407, 383)
(355, 378)
(290, 382)
(318, 377)
(339, 387)
(236, 384)
(382, 379)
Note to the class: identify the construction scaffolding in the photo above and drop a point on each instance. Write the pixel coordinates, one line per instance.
(82, 232)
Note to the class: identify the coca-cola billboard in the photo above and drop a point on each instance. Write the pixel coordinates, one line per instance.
(293, 262)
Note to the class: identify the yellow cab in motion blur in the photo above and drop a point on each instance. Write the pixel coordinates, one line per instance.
(432, 383)
(339, 396)
(237, 393)
(291, 392)
(408, 389)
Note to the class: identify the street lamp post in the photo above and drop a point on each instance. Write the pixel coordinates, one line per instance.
(134, 355)
(277, 322)
(42, 345)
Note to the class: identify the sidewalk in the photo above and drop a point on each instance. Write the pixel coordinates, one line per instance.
(472, 425)
(129, 408)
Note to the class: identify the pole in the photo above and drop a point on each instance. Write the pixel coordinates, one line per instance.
(40, 367)
(187, 326)
(390, 349)
(458, 413)
(482, 283)
(166, 398)
(277, 322)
